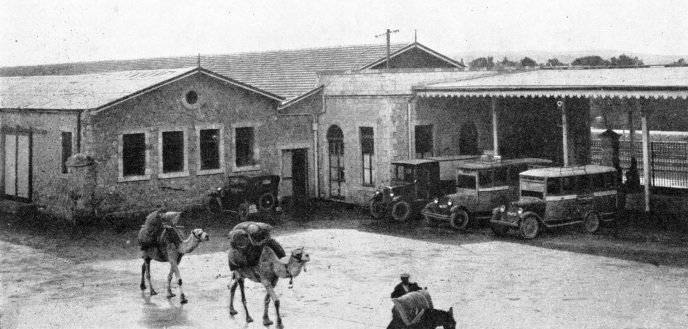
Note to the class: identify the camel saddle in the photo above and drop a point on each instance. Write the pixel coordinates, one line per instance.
(153, 231)
(247, 240)
(412, 306)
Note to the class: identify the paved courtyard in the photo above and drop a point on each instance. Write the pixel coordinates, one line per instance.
(493, 284)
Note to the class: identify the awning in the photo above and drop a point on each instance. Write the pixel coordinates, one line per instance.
(642, 82)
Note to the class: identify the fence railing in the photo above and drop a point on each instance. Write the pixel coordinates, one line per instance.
(668, 161)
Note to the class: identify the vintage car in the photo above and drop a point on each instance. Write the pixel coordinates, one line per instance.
(481, 185)
(558, 196)
(240, 192)
(414, 183)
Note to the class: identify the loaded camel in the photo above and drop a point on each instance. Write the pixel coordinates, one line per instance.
(162, 241)
(415, 310)
(268, 269)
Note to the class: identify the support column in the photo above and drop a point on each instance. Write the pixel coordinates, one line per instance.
(646, 160)
(564, 131)
(495, 137)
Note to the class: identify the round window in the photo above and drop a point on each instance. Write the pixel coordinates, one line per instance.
(191, 97)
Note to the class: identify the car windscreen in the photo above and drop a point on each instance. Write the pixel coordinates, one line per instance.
(465, 181)
(532, 186)
(404, 174)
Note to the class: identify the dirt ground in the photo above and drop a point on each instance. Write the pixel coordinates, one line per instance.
(53, 277)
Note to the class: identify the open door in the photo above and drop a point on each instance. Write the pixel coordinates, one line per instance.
(17, 169)
(294, 183)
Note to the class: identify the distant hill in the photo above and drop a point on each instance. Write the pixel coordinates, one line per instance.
(565, 57)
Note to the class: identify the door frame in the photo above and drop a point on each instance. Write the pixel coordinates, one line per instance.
(15, 132)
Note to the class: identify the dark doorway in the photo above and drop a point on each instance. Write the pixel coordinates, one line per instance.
(294, 186)
(468, 140)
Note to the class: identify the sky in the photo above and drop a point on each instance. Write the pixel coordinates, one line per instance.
(41, 32)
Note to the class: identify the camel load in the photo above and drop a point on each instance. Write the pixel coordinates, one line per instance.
(247, 240)
(153, 229)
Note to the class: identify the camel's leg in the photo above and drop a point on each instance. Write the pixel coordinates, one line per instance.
(266, 317)
(148, 277)
(232, 288)
(170, 294)
(270, 287)
(143, 275)
(175, 267)
(243, 300)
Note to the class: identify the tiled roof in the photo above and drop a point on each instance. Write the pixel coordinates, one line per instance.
(657, 82)
(79, 92)
(287, 73)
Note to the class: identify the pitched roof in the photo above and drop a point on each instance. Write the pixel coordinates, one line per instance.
(94, 91)
(287, 73)
(657, 82)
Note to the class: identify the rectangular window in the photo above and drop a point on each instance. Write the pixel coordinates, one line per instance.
(210, 149)
(172, 151)
(133, 154)
(368, 154)
(66, 149)
(244, 147)
(424, 143)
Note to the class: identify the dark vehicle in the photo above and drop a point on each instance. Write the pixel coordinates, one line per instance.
(414, 183)
(481, 185)
(242, 191)
(552, 197)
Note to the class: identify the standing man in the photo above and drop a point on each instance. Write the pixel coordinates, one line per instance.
(404, 286)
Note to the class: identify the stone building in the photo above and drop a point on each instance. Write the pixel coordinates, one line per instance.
(157, 137)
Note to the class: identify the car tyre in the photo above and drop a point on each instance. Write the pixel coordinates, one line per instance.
(529, 227)
(591, 223)
(376, 208)
(401, 211)
(266, 202)
(459, 220)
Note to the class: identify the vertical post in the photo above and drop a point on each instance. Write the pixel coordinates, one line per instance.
(388, 32)
(564, 132)
(495, 137)
(646, 160)
(631, 131)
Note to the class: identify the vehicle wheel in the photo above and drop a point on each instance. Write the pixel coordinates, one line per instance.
(499, 230)
(266, 202)
(459, 220)
(429, 221)
(529, 227)
(591, 223)
(377, 209)
(401, 211)
(214, 206)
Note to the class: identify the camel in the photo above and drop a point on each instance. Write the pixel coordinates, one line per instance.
(170, 248)
(267, 272)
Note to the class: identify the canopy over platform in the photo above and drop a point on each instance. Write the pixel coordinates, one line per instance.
(644, 82)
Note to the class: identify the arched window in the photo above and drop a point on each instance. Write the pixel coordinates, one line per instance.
(335, 142)
(468, 139)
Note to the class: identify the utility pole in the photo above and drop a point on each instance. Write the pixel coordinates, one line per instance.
(387, 34)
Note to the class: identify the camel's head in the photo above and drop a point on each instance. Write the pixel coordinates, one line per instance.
(300, 256)
(200, 235)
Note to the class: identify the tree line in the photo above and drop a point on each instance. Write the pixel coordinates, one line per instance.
(527, 62)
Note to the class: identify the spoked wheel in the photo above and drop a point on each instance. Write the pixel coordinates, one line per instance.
(377, 208)
(591, 223)
(401, 211)
(529, 227)
(459, 220)
(266, 202)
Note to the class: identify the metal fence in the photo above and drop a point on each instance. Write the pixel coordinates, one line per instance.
(668, 161)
